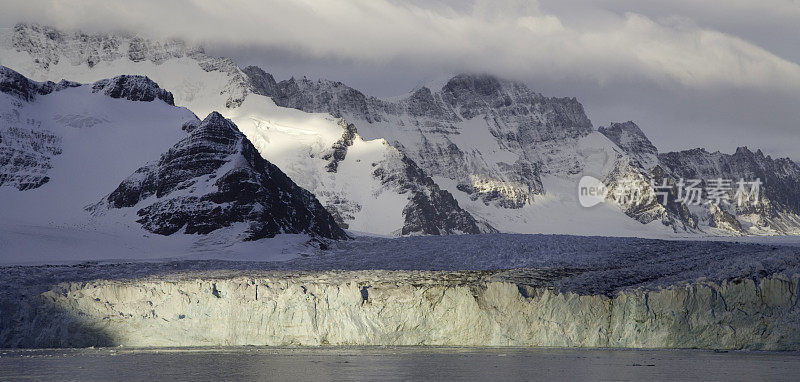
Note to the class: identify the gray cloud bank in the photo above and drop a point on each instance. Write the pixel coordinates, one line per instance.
(708, 73)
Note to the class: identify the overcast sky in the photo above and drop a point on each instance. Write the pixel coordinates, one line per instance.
(706, 73)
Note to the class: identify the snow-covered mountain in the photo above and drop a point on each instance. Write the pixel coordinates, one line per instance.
(509, 155)
(470, 154)
(504, 150)
(65, 145)
(65, 148)
(368, 185)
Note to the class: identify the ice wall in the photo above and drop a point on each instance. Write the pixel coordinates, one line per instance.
(400, 308)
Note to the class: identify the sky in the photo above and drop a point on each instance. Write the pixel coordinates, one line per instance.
(692, 73)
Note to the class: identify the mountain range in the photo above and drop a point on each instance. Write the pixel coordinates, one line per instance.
(471, 154)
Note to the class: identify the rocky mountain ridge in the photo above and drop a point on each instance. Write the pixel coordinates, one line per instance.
(540, 136)
(50, 47)
(775, 211)
(507, 156)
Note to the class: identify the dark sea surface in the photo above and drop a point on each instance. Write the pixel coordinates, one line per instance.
(394, 364)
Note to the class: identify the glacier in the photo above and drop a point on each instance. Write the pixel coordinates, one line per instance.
(482, 290)
(402, 308)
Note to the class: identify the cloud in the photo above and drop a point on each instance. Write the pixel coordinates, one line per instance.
(673, 66)
(512, 38)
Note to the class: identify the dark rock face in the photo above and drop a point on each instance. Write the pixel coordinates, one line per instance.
(339, 149)
(21, 87)
(423, 103)
(25, 154)
(214, 178)
(261, 82)
(133, 88)
(778, 206)
(474, 95)
(630, 138)
(320, 96)
(17, 85)
(718, 217)
(519, 120)
(780, 177)
(627, 175)
(26, 149)
(677, 213)
(779, 202)
(430, 210)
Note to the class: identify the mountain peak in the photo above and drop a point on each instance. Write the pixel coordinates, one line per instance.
(215, 178)
(133, 88)
(619, 127)
(215, 118)
(261, 82)
(17, 85)
(482, 84)
(631, 139)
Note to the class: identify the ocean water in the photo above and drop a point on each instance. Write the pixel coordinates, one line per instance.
(395, 363)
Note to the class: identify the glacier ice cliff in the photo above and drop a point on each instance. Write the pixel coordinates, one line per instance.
(465, 308)
(470, 290)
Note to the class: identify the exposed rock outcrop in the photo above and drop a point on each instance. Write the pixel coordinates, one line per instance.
(214, 178)
(778, 208)
(133, 88)
(630, 138)
(521, 120)
(339, 148)
(430, 210)
(26, 149)
(19, 86)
